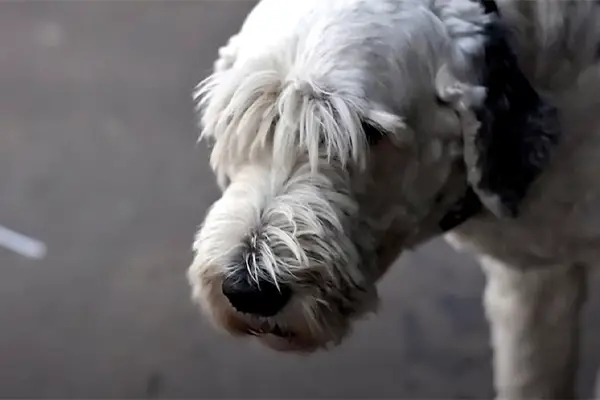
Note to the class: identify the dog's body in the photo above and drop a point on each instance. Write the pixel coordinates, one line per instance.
(345, 130)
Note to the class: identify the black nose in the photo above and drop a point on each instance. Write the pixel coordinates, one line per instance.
(247, 296)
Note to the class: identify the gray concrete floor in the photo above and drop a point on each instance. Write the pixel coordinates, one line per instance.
(98, 159)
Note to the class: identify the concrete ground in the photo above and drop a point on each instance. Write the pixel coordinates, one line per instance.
(98, 160)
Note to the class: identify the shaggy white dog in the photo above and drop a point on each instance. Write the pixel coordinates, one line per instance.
(345, 131)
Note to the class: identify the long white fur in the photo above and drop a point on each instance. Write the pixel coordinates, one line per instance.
(297, 96)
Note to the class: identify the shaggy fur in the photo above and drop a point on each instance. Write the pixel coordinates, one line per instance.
(345, 131)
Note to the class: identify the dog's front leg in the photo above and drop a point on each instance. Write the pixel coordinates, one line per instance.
(534, 322)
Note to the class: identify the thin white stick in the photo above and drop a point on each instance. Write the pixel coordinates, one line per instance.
(21, 244)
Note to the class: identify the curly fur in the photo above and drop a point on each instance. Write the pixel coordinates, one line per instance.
(345, 131)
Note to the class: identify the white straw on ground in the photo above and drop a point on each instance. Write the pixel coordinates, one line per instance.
(21, 244)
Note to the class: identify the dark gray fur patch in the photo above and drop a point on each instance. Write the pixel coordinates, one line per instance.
(466, 207)
(518, 130)
(373, 134)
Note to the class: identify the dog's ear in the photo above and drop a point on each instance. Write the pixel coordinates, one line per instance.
(512, 130)
(518, 133)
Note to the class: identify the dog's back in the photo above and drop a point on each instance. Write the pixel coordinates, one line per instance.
(555, 39)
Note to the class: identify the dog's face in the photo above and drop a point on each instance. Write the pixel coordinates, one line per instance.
(322, 190)
(291, 254)
(283, 256)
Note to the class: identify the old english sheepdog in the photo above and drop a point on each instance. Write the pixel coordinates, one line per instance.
(344, 131)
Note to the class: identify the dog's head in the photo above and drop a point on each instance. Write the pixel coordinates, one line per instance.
(334, 153)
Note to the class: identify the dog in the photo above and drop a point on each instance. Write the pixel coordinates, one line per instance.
(343, 132)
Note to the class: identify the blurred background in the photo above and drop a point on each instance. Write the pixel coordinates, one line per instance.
(99, 162)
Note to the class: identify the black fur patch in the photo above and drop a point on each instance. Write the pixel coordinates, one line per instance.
(465, 208)
(373, 134)
(489, 6)
(517, 135)
(518, 129)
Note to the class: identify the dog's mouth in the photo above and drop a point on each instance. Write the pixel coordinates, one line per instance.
(277, 331)
(274, 330)
(285, 340)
